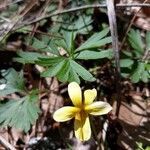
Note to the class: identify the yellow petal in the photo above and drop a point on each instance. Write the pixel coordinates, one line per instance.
(98, 108)
(89, 96)
(65, 113)
(82, 126)
(75, 94)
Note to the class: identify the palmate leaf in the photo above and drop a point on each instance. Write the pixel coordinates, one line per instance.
(27, 57)
(53, 70)
(20, 114)
(132, 64)
(65, 69)
(88, 54)
(14, 82)
(136, 70)
(81, 71)
(72, 71)
(82, 27)
(64, 66)
(95, 41)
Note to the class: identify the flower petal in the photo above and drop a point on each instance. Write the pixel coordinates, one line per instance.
(89, 96)
(98, 108)
(75, 94)
(65, 113)
(82, 126)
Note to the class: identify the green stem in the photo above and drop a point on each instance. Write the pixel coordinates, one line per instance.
(95, 135)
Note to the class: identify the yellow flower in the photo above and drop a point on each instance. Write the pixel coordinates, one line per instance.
(81, 110)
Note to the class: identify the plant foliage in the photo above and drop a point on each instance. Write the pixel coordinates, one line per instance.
(135, 63)
(63, 55)
(22, 112)
(13, 82)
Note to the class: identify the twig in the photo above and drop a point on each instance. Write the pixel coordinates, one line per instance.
(131, 22)
(14, 22)
(132, 5)
(78, 9)
(114, 35)
(6, 143)
(47, 34)
(100, 146)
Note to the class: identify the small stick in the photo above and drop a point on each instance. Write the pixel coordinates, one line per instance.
(6, 143)
(78, 9)
(100, 145)
(114, 35)
(129, 27)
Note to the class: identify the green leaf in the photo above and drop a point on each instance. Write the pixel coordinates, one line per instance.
(81, 71)
(139, 145)
(69, 40)
(147, 66)
(53, 71)
(144, 76)
(37, 44)
(14, 82)
(126, 62)
(135, 40)
(20, 114)
(63, 71)
(136, 76)
(148, 40)
(81, 25)
(85, 30)
(49, 61)
(73, 76)
(51, 8)
(27, 57)
(127, 53)
(45, 45)
(63, 74)
(53, 48)
(89, 54)
(61, 44)
(147, 148)
(96, 40)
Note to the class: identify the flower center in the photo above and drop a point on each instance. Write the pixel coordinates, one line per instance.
(82, 109)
